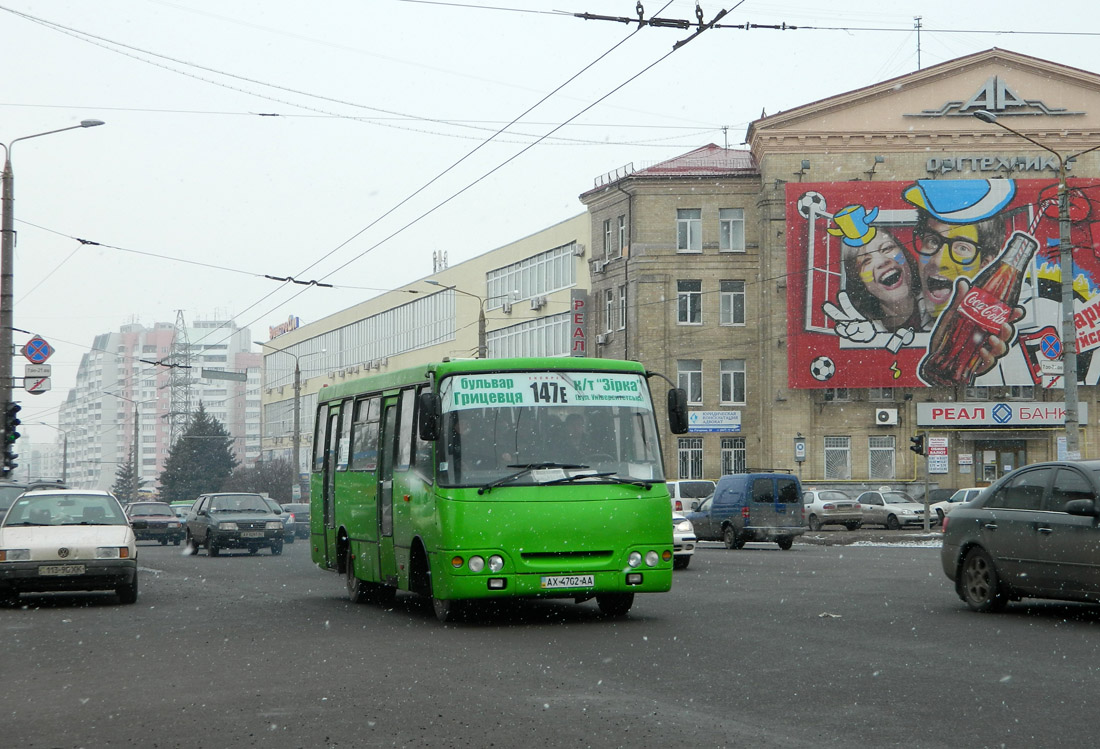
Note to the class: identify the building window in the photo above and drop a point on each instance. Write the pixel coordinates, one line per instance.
(731, 303)
(731, 229)
(837, 394)
(732, 381)
(881, 394)
(690, 452)
(1021, 392)
(689, 376)
(689, 230)
(607, 239)
(881, 457)
(978, 392)
(622, 307)
(838, 457)
(689, 302)
(608, 310)
(622, 235)
(733, 455)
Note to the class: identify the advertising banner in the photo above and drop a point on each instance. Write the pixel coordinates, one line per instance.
(938, 282)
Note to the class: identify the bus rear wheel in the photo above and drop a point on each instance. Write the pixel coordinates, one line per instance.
(614, 604)
(357, 589)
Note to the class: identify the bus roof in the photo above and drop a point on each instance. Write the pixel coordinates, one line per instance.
(398, 378)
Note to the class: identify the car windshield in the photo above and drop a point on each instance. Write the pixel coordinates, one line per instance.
(540, 427)
(897, 498)
(65, 509)
(696, 489)
(297, 509)
(150, 508)
(8, 495)
(832, 497)
(239, 503)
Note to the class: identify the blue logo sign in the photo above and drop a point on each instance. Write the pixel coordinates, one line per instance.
(1002, 413)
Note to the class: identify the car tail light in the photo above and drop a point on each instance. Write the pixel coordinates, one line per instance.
(745, 513)
(828, 506)
(943, 525)
(291, 517)
(679, 506)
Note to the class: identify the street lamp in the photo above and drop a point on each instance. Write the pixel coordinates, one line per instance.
(64, 451)
(1065, 260)
(7, 255)
(482, 345)
(296, 437)
(137, 465)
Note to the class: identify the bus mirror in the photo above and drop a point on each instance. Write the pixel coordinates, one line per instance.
(678, 410)
(429, 416)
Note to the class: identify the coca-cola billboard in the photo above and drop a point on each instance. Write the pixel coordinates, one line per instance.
(937, 282)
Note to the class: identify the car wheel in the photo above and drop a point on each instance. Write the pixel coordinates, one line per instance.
(189, 543)
(680, 563)
(276, 548)
(785, 542)
(815, 523)
(252, 550)
(939, 514)
(128, 593)
(615, 604)
(164, 542)
(853, 526)
(290, 538)
(979, 584)
(732, 538)
(212, 548)
(175, 542)
(892, 523)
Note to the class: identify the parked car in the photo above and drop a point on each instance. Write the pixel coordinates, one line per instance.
(181, 509)
(155, 521)
(233, 520)
(1033, 533)
(891, 509)
(962, 495)
(286, 517)
(688, 494)
(64, 539)
(683, 541)
(751, 507)
(829, 506)
(300, 511)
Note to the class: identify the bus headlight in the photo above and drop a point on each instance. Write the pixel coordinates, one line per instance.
(477, 564)
(651, 558)
(496, 563)
(634, 559)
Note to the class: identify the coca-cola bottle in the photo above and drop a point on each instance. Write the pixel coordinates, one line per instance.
(970, 318)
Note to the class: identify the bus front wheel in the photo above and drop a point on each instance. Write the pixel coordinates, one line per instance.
(614, 604)
(446, 611)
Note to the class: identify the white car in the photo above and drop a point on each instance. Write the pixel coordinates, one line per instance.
(828, 506)
(962, 495)
(71, 540)
(683, 541)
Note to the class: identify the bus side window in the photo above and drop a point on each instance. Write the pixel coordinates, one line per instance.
(319, 438)
(422, 459)
(364, 435)
(345, 436)
(407, 430)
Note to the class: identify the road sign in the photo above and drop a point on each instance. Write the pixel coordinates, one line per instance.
(220, 374)
(37, 350)
(36, 370)
(36, 385)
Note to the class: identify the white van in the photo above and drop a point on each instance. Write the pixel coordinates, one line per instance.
(688, 494)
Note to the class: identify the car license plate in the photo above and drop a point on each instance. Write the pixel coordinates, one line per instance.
(61, 569)
(550, 582)
(252, 534)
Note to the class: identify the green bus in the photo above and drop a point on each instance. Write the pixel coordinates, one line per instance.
(491, 478)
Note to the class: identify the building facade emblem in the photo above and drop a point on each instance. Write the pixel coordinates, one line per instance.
(995, 96)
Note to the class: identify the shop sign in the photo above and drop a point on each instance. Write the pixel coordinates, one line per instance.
(961, 415)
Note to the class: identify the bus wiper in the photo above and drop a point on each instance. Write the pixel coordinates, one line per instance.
(615, 478)
(524, 468)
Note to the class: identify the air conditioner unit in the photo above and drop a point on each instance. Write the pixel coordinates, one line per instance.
(578, 249)
(887, 417)
(538, 302)
(603, 338)
(506, 307)
(597, 266)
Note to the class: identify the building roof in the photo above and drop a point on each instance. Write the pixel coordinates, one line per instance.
(707, 161)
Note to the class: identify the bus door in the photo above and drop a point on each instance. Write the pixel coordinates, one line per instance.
(388, 450)
(328, 484)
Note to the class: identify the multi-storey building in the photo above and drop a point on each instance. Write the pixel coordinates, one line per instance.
(123, 398)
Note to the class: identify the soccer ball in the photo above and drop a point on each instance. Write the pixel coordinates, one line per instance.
(822, 368)
(811, 203)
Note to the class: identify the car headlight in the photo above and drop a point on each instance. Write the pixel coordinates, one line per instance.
(15, 555)
(227, 526)
(683, 526)
(173, 525)
(112, 552)
(271, 525)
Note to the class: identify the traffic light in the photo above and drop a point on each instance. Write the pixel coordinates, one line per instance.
(917, 445)
(11, 434)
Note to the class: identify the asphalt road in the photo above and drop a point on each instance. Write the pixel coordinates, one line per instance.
(824, 645)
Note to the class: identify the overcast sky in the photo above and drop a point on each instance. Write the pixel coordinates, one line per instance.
(280, 138)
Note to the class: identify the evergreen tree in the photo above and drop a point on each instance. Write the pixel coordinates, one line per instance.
(274, 478)
(127, 483)
(200, 461)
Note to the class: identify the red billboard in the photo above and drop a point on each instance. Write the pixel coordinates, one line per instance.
(938, 282)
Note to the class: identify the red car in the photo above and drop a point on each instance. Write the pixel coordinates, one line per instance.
(155, 521)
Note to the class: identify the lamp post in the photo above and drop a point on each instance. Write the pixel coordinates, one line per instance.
(296, 437)
(7, 255)
(64, 451)
(1065, 261)
(482, 346)
(137, 464)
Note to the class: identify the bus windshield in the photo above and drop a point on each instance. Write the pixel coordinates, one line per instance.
(583, 426)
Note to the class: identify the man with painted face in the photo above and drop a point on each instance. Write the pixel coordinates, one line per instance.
(959, 231)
